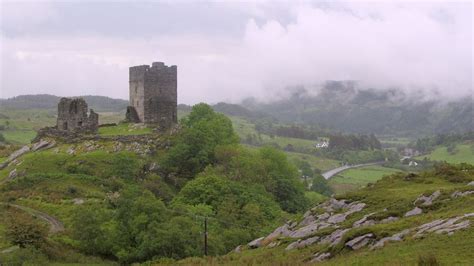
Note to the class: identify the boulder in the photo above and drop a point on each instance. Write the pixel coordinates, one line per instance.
(470, 183)
(13, 174)
(280, 231)
(389, 219)
(355, 207)
(71, 151)
(18, 153)
(306, 230)
(458, 194)
(307, 219)
(274, 244)
(450, 229)
(334, 238)
(360, 241)
(318, 257)
(337, 218)
(394, 238)
(427, 201)
(443, 226)
(364, 221)
(323, 216)
(255, 243)
(39, 145)
(14, 155)
(238, 249)
(302, 243)
(78, 201)
(415, 211)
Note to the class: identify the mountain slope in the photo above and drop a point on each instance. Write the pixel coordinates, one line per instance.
(344, 107)
(402, 219)
(46, 101)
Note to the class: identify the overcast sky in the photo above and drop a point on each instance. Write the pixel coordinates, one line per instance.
(226, 51)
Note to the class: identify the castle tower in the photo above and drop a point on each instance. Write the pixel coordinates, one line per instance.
(153, 94)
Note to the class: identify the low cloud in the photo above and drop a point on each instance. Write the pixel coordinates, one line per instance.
(415, 47)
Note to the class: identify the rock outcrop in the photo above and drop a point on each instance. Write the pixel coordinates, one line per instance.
(415, 211)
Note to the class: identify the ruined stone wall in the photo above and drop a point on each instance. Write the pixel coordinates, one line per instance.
(72, 116)
(153, 93)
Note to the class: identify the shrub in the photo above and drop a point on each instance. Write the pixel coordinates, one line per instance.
(427, 260)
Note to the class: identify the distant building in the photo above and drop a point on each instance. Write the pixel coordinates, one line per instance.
(323, 144)
(153, 95)
(73, 116)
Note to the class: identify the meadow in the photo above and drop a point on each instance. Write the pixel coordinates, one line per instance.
(463, 153)
(358, 177)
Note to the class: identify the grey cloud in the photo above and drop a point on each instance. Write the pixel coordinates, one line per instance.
(231, 51)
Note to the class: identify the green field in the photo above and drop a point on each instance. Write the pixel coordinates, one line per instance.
(320, 163)
(20, 126)
(463, 153)
(124, 129)
(358, 177)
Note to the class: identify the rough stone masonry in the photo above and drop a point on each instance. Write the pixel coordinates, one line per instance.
(72, 116)
(153, 95)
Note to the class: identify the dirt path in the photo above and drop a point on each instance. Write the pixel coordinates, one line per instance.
(55, 225)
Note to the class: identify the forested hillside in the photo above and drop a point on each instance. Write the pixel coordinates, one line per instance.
(46, 101)
(341, 106)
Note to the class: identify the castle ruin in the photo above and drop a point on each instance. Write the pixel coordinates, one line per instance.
(153, 95)
(72, 116)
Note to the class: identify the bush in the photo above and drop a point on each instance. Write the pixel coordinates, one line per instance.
(24, 231)
(427, 260)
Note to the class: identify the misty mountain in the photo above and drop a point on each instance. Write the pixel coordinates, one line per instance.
(341, 106)
(47, 101)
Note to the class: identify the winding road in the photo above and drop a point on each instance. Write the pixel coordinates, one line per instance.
(336, 171)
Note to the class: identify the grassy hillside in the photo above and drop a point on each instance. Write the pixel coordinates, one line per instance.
(391, 196)
(462, 153)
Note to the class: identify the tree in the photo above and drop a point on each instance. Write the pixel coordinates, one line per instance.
(321, 185)
(203, 130)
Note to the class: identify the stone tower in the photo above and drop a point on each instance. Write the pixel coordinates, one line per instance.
(72, 116)
(153, 94)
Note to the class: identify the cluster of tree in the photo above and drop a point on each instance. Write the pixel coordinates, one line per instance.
(354, 142)
(313, 132)
(318, 183)
(206, 173)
